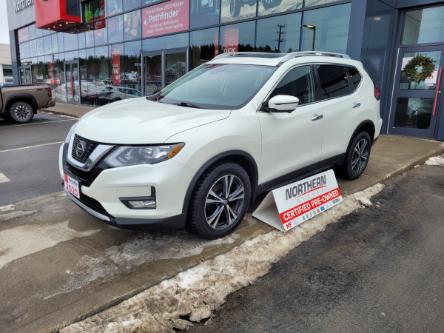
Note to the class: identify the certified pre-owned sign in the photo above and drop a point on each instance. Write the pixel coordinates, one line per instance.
(300, 201)
(23, 4)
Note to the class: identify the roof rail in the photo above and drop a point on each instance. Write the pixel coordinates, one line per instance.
(283, 56)
(292, 55)
(269, 55)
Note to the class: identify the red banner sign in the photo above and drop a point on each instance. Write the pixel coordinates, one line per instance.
(165, 18)
(116, 67)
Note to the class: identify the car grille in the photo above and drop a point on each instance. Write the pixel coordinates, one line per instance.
(82, 148)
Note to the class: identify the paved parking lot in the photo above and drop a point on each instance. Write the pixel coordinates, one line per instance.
(58, 264)
(28, 156)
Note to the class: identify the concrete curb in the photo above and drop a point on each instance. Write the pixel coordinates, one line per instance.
(66, 327)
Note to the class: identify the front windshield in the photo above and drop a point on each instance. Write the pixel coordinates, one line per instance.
(217, 86)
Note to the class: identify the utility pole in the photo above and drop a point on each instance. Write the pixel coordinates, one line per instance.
(280, 35)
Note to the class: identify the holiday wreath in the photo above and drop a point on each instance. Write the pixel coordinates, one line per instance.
(419, 68)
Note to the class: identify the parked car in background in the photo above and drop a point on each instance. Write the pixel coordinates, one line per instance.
(115, 93)
(20, 103)
(198, 152)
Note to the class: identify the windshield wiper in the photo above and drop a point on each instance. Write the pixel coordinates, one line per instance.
(188, 105)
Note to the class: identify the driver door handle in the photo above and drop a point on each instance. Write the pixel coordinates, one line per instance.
(356, 105)
(317, 117)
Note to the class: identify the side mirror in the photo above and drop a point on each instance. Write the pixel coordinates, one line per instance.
(283, 103)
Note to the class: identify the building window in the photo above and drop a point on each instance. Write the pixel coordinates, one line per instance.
(279, 34)
(131, 4)
(204, 13)
(235, 10)
(100, 36)
(326, 29)
(71, 41)
(89, 38)
(311, 3)
(132, 25)
(237, 37)
(204, 45)
(132, 67)
(23, 34)
(115, 29)
(267, 7)
(60, 42)
(59, 86)
(424, 26)
(88, 72)
(165, 43)
(150, 2)
(39, 46)
(102, 68)
(113, 7)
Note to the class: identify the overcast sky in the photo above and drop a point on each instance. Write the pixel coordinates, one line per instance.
(4, 32)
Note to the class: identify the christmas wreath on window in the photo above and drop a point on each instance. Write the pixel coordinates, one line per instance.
(419, 68)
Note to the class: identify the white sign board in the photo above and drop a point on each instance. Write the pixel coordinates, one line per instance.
(290, 205)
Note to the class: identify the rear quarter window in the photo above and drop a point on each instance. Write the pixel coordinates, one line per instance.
(333, 81)
(355, 77)
(337, 80)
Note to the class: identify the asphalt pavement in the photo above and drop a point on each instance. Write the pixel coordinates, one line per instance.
(28, 156)
(377, 270)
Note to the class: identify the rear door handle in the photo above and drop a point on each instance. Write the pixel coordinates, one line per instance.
(356, 105)
(317, 117)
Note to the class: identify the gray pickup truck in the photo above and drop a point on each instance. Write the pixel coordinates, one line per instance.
(20, 103)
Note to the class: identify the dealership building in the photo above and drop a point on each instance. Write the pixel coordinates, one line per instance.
(99, 51)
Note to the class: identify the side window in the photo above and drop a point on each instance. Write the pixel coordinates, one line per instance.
(297, 82)
(355, 77)
(333, 80)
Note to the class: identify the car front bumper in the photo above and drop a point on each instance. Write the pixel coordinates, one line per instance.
(102, 191)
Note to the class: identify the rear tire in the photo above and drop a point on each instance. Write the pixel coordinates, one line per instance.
(357, 156)
(21, 112)
(220, 201)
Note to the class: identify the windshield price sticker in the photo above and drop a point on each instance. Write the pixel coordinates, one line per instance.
(302, 200)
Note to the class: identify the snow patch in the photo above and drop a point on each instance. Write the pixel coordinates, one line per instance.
(197, 292)
(7, 208)
(435, 161)
(135, 252)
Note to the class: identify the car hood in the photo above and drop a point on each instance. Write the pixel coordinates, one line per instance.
(140, 121)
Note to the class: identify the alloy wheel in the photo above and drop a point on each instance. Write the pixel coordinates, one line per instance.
(360, 155)
(224, 201)
(22, 112)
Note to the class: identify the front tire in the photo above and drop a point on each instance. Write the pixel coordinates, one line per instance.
(357, 156)
(21, 112)
(220, 201)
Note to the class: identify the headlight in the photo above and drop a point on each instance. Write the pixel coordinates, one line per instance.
(126, 156)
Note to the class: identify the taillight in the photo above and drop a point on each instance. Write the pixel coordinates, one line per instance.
(49, 92)
(377, 93)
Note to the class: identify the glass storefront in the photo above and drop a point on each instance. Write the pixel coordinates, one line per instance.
(134, 47)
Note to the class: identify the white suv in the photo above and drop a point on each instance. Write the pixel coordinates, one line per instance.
(197, 153)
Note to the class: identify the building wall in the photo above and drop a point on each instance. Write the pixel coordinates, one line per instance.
(5, 61)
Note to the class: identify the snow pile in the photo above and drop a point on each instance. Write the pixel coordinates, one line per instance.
(135, 252)
(435, 161)
(193, 295)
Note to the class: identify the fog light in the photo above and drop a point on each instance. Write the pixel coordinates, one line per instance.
(140, 203)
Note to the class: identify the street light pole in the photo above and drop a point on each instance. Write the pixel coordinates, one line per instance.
(313, 28)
